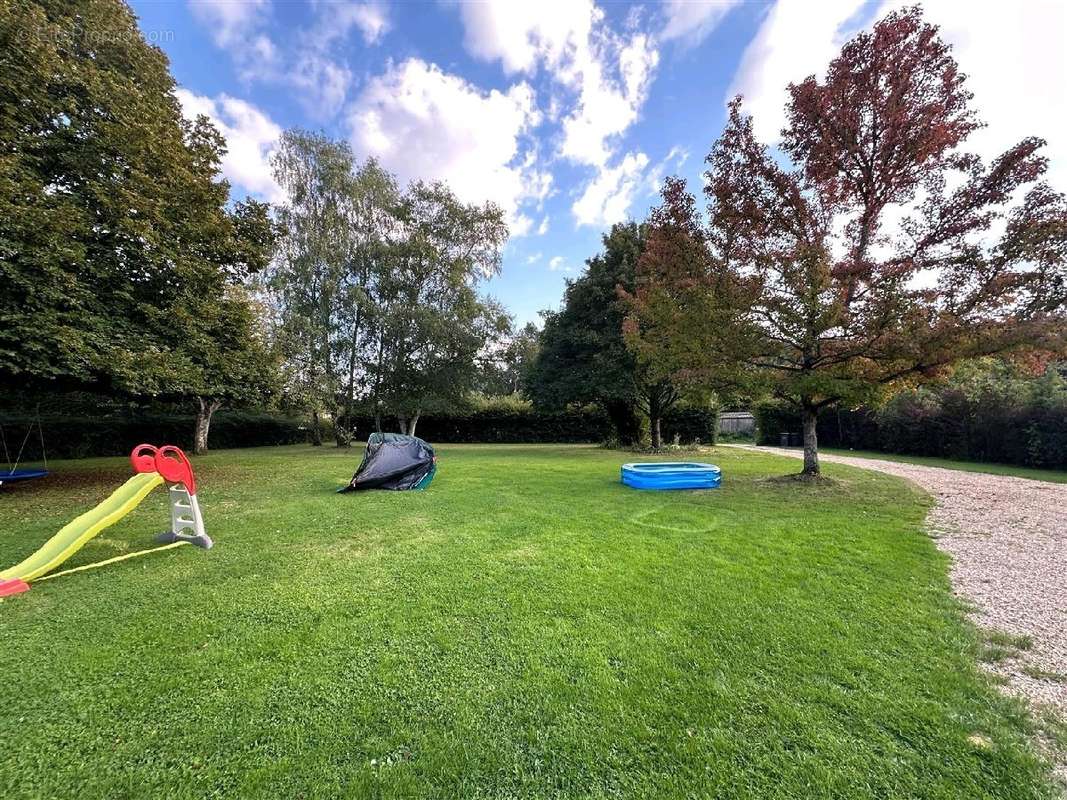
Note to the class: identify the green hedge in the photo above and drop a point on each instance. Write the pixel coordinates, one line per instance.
(501, 426)
(113, 435)
(945, 425)
(519, 426)
(117, 433)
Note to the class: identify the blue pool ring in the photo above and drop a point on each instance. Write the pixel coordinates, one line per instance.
(671, 475)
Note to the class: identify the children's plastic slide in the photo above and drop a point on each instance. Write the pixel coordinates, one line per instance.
(153, 467)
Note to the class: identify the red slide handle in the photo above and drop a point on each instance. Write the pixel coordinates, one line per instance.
(143, 458)
(173, 465)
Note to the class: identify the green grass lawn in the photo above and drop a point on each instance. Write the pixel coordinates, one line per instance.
(527, 627)
(1052, 475)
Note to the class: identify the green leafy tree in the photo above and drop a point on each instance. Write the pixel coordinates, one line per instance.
(376, 287)
(583, 357)
(504, 369)
(433, 323)
(332, 256)
(112, 216)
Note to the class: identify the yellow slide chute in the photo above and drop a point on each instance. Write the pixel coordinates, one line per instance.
(73, 536)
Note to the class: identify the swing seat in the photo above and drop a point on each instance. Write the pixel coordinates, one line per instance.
(16, 475)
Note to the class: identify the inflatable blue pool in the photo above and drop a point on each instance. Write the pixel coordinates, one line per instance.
(671, 475)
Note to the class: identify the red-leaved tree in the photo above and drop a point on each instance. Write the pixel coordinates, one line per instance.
(878, 250)
(683, 302)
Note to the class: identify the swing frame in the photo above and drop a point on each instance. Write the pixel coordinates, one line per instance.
(13, 473)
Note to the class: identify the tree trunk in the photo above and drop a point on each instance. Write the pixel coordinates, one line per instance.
(811, 442)
(657, 435)
(402, 423)
(316, 429)
(203, 423)
(341, 434)
(412, 423)
(350, 393)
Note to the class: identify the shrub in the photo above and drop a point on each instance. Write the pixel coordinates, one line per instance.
(499, 402)
(691, 425)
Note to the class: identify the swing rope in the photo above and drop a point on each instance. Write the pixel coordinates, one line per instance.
(7, 455)
(40, 431)
(25, 439)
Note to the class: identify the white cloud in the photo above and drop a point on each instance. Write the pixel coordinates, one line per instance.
(307, 61)
(250, 138)
(518, 224)
(523, 35)
(692, 20)
(606, 106)
(229, 21)
(606, 75)
(338, 19)
(555, 263)
(371, 18)
(608, 197)
(422, 122)
(542, 229)
(322, 84)
(797, 38)
(599, 81)
(672, 162)
(533, 259)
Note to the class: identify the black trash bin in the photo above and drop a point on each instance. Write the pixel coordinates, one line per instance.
(783, 440)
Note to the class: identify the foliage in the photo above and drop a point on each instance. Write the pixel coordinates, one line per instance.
(505, 369)
(116, 245)
(110, 214)
(112, 434)
(376, 286)
(334, 228)
(507, 402)
(526, 627)
(682, 299)
(434, 324)
(515, 422)
(503, 425)
(846, 307)
(986, 411)
(691, 425)
(583, 357)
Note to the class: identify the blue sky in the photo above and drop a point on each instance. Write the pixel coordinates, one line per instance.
(567, 114)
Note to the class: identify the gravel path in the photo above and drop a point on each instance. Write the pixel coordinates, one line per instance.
(1008, 541)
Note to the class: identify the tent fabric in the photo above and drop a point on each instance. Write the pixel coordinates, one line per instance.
(394, 461)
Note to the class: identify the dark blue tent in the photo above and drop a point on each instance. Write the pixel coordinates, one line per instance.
(394, 461)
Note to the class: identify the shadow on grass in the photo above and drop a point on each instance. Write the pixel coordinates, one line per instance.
(67, 480)
(800, 479)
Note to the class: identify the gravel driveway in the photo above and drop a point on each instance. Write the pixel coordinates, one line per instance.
(1008, 541)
